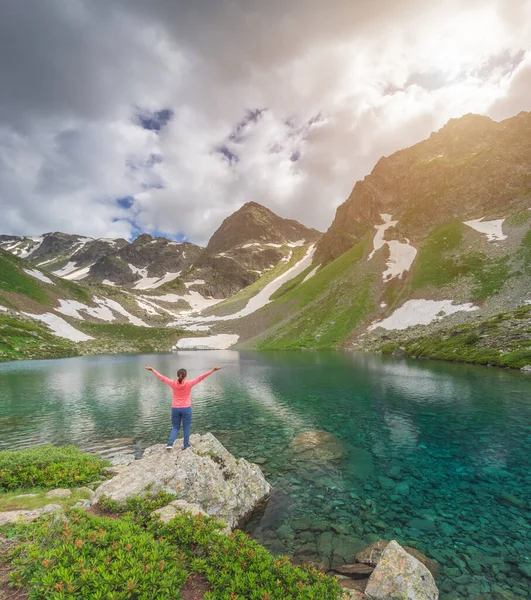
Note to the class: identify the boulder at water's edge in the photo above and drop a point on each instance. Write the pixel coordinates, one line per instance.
(400, 576)
(206, 475)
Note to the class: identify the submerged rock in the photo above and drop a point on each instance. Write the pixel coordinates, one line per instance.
(318, 446)
(356, 570)
(399, 576)
(206, 475)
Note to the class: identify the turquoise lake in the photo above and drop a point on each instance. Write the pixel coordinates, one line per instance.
(437, 455)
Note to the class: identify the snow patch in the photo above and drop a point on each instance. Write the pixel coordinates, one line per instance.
(401, 257)
(311, 274)
(78, 274)
(107, 282)
(147, 307)
(492, 229)
(378, 241)
(196, 282)
(103, 311)
(3, 308)
(61, 328)
(421, 312)
(70, 267)
(38, 241)
(297, 244)
(213, 342)
(148, 283)
(38, 275)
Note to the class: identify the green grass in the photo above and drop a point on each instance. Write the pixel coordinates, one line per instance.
(439, 264)
(502, 341)
(326, 308)
(48, 467)
(519, 218)
(525, 252)
(13, 279)
(136, 556)
(20, 340)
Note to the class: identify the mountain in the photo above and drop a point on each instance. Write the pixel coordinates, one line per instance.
(471, 168)
(96, 295)
(434, 243)
(247, 245)
(430, 256)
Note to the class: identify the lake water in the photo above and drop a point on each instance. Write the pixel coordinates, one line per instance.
(437, 455)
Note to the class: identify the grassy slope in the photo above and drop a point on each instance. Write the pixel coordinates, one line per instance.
(116, 338)
(20, 340)
(239, 300)
(503, 341)
(440, 263)
(324, 310)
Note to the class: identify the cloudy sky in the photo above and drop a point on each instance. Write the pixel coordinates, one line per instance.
(165, 116)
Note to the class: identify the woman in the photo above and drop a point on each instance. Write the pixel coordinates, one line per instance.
(182, 403)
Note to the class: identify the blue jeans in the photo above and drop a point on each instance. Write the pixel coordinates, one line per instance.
(178, 416)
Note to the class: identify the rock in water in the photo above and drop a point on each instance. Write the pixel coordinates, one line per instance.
(206, 475)
(526, 369)
(400, 576)
(372, 554)
(318, 446)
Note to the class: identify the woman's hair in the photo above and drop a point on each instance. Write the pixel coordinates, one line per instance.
(181, 374)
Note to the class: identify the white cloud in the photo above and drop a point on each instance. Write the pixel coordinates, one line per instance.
(379, 76)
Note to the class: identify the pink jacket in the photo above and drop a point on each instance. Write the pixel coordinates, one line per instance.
(182, 391)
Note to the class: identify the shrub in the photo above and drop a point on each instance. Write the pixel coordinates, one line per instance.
(239, 568)
(48, 467)
(81, 556)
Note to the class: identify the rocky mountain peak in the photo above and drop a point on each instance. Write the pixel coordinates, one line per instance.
(256, 223)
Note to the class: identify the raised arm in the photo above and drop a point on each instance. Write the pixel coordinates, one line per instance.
(197, 380)
(163, 378)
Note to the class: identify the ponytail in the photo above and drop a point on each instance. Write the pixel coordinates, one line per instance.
(181, 374)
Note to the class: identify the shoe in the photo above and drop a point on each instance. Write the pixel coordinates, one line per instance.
(169, 447)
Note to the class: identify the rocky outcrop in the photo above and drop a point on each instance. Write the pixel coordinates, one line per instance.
(317, 446)
(206, 475)
(400, 576)
(256, 223)
(177, 507)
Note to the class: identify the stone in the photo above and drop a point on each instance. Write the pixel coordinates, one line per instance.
(59, 493)
(339, 528)
(26, 496)
(206, 474)
(345, 549)
(85, 490)
(399, 576)
(317, 446)
(324, 544)
(422, 525)
(356, 570)
(170, 511)
(360, 464)
(526, 369)
(26, 516)
(402, 488)
(301, 524)
(371, 555)
(386, 483)
(399, 353)
(319, 526)
(525, 569)
(284, 532)
(260, 460)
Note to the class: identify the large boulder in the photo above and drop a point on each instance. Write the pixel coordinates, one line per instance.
(318, 446)
(400, 576)
(206, 475)
(372, 554)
